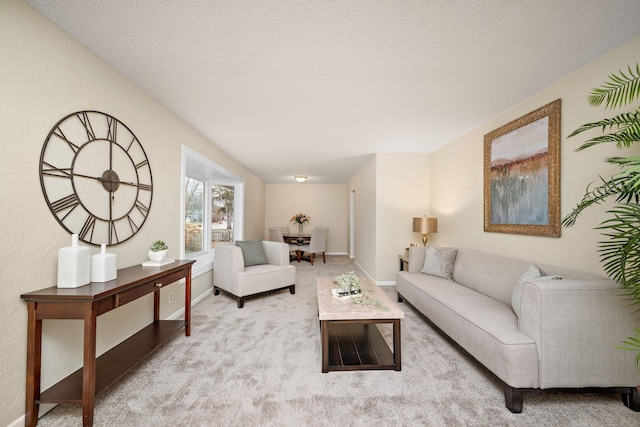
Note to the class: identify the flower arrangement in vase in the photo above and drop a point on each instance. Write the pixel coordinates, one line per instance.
(300, 219)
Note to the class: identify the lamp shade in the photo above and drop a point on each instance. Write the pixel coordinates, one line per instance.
(425, 225)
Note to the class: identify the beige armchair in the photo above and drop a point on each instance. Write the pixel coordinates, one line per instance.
(316, 244)
(241, 281)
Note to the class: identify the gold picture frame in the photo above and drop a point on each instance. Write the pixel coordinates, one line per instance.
(522, 175)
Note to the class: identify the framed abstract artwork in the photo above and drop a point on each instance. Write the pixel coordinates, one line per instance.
(522, 175)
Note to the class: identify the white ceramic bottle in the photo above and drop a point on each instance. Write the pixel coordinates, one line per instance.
(103, 266)
(74, 265)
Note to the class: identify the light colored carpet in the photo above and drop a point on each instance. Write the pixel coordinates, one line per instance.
(260, 366)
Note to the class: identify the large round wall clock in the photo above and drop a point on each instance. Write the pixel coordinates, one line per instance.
(96, 178)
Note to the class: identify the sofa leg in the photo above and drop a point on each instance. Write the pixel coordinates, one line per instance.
(240, 302)
(324, 258)
(292, 289)
(632, 399)
(216, 290)
(513, 399)
(400, 298)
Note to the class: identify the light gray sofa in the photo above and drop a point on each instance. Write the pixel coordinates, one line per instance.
(565, 336)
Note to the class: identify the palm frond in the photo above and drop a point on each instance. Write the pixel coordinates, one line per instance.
(619, 90)
(633, 344)
(616, 186)
(627, 130)
(620, 253)
(630, 172)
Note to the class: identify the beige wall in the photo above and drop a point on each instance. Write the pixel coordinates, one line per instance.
(403, 192)
(457, 174)
(363, 186)
(45, 75)
(325, 203)
(390, 190)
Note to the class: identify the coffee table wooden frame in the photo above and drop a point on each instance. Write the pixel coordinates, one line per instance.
(350, 339)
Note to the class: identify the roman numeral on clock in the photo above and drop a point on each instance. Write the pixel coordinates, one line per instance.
(141, 164)
(68, 202)
(58, 132)
(133, 225)
(87, 228)
(57, 172)
(84, 119)
(113, 233)
(113, 128)
(144, 210)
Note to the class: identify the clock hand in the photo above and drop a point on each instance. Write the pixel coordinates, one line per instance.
(98, 178)
(111, 181)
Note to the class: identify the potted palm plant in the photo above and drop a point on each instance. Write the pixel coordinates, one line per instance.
(620, 252)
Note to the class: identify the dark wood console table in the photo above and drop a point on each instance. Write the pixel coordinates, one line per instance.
(87, 303)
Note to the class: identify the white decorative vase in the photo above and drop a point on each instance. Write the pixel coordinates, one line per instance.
(103, 266)
(300, 226)
(74, 265)
(158, 255)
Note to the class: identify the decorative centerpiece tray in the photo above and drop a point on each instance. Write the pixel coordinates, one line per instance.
(345, 295)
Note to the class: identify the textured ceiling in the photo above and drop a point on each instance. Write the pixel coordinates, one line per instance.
(290, 87)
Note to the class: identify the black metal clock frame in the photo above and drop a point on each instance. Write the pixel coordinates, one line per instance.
(60, 178)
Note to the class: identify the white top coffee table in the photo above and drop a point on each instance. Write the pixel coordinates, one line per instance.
(350, 339)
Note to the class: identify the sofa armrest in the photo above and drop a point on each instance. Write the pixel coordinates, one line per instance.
(277, 253)
(227, 261)
(577, 325)
(416, 258)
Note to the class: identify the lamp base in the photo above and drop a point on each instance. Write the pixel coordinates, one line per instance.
(424, 239)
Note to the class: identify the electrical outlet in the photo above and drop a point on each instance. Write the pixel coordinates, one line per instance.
(170, 297)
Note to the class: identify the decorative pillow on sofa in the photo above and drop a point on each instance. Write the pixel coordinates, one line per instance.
(533, 272)
(252, 252)
(439, 262)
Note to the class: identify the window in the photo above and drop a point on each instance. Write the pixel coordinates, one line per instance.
(221, 214)
(212, 201)
(194, 213)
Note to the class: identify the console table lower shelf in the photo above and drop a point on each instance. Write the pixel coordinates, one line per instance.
(115, 363)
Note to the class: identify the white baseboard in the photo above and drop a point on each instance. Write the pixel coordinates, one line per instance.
(17, 423)
(377, 282)
(386, 283)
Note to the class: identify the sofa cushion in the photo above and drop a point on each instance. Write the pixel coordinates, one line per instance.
(252, 252)
(439, 262)
(484, 327)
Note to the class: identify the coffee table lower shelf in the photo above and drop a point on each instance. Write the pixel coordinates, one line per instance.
(358, 345)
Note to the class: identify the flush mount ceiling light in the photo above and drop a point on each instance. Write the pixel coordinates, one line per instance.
(300, 178)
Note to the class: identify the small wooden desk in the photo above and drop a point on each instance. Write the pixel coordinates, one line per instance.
(87, 303)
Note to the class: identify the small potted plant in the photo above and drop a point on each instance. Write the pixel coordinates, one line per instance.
(159, 251)
(348, 283)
